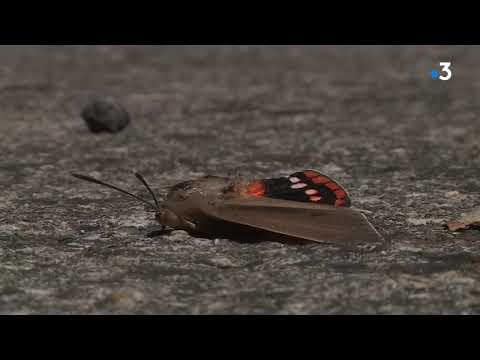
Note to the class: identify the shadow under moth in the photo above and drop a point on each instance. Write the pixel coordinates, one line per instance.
(305, 206)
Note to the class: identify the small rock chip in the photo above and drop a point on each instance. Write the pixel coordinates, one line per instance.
(126, 299)
(417, 222)
(410, 249)
(105, 115)
(223, 262)
(363, 189)
(426, 221)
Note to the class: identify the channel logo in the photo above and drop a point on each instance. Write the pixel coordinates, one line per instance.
(444, 74)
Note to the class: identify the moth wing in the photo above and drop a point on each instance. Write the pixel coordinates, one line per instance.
(302, 186)
(315, 222)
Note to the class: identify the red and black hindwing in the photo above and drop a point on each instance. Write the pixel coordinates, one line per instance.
(304, 186)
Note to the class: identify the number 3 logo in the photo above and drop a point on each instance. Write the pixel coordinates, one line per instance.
(446, 68)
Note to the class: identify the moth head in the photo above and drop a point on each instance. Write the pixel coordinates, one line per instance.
(168, 217)
(181, 199)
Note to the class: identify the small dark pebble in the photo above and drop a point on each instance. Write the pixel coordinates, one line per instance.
(105, 115)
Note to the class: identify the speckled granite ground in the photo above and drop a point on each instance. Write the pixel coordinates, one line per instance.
(369, 116)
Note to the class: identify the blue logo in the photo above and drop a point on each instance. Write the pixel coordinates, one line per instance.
(434, 73)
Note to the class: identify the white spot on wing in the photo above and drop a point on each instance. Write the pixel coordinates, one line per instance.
(298, 186)
(294, 179)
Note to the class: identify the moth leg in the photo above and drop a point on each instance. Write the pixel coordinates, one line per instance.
(191, 224)
(159, 232)
(363, 211)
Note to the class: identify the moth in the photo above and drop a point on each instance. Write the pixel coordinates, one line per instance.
(305, 206)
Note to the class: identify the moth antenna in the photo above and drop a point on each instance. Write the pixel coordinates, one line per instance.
(144, 182)
(96, 181)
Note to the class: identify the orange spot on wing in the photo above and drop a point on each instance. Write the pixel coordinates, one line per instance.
(320, 180)
(256, 188)
(340, 194)
(311, 173)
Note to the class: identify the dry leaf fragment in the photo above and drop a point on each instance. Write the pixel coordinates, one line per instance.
(466, 221)
(455, 195)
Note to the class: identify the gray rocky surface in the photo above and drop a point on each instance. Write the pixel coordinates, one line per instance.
(404, 145)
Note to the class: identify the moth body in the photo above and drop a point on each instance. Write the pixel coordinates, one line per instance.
(185, 204)
(306, 206)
